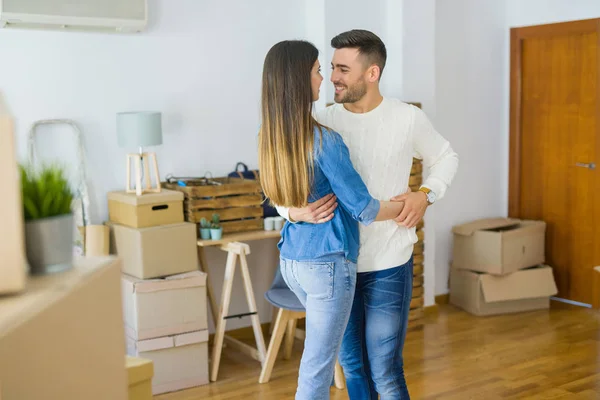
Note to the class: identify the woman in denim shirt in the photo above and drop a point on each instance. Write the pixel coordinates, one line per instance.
(301, 161)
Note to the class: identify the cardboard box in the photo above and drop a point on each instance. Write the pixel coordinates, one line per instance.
(13, 272)
(150, 209)
(63, 337)
(485, 294)
(139, 378)
(180, 361)
(157, 251)
(499, 245)
(163, 307)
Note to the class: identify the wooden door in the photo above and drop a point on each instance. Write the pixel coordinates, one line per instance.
(555, 145)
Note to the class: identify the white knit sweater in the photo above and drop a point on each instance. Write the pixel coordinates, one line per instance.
(382, 144)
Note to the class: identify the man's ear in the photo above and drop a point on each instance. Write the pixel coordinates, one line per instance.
(374, 73)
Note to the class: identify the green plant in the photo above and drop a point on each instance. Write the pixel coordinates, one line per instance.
(216, 222)
(204, 224)
(46, 193)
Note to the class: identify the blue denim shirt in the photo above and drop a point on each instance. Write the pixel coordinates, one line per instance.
(333, 173)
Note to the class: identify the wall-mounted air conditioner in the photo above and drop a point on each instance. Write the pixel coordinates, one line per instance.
(89, 15)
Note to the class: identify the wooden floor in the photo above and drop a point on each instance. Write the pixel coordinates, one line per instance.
(536, 355)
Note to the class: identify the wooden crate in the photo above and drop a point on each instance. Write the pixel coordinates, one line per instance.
(418, 300)
(237, 201)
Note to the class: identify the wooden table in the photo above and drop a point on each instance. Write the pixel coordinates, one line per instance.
(235, 247)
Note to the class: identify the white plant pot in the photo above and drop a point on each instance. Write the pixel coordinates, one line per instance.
(49, 244)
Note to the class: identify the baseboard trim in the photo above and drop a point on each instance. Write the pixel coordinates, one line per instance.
(442, 298)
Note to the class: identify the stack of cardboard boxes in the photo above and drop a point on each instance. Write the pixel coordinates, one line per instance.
(164, 294)
(498, 267)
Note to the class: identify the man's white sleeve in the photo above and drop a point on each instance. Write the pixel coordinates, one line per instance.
(284, 212)
(436, 153)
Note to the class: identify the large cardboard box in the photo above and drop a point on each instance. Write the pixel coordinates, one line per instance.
(163, 307)
(150, 209)
(157, 251)
(499, 245)
(180, 361)
(63, 337)
(139, 377)
(13, 268)
(485, 294)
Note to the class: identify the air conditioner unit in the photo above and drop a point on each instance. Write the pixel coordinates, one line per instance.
(87, 15)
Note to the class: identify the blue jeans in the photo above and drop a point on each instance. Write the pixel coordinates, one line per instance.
(371, 352)
(326, 288)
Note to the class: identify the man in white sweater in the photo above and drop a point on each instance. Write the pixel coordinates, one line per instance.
(383, 135)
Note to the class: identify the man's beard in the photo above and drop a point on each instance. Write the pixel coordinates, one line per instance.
(352, 93)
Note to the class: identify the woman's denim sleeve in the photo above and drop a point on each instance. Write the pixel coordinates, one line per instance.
(333, 158)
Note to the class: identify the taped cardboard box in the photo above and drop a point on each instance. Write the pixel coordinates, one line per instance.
(157, 251)
(163, 307)
(180, 361)
(484, 294)
(139, 377)
(499, 245)
(150, 209)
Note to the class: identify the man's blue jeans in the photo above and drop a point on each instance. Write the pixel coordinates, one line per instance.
(326, 288)
(371, 352)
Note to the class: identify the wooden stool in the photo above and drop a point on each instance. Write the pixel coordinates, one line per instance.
(285, 325)
(235, 250)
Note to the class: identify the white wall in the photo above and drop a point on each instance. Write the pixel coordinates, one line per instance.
(536, 12)
(472, 98)
(315, 33)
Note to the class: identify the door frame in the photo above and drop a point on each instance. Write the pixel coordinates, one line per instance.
(516, 40)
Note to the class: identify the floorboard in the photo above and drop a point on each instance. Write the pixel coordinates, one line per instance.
(552, 354)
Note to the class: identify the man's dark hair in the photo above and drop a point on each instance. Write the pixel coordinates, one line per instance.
(369, 45)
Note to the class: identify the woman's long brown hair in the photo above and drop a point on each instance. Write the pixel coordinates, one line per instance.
(286, 138)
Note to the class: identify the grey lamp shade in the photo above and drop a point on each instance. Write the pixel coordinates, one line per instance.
(139, 129)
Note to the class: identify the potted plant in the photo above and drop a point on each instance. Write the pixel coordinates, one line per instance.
(48, 218)
(204, 229)
(216, 230)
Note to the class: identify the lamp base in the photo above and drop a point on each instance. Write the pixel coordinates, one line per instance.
(149, 165)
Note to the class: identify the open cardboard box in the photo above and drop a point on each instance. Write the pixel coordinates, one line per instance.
(484, 294)
(499, 245)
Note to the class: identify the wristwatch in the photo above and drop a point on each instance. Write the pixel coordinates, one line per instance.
(429, 193)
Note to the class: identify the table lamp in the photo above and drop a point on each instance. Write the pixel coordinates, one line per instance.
(140, 129)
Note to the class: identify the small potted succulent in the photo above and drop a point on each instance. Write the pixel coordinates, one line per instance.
(49, 223)
(216, 230)
(204, 229)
